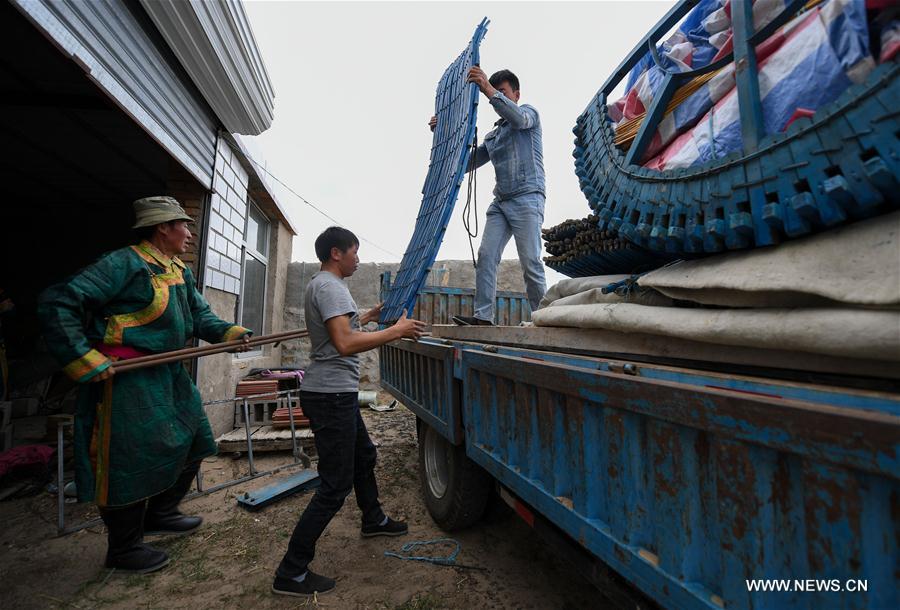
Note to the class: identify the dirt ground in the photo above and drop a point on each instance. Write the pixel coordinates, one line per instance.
(230, 561)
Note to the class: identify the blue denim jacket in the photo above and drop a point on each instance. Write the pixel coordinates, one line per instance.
(515, 149)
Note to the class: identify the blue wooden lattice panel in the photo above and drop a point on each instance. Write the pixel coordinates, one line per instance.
(456, 104)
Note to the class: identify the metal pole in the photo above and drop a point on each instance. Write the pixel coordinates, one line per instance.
(205, 350)
(60, 484)
(746, 75)
(293, 429)
(200, 479)
(249, 440)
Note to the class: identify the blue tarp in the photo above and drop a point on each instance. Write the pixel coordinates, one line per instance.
(807, 64)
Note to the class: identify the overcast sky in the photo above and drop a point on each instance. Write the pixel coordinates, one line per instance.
(355, 85)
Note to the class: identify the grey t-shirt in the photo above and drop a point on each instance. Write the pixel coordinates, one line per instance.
(329, 372)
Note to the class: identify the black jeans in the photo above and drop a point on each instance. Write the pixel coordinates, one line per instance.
(346, 461)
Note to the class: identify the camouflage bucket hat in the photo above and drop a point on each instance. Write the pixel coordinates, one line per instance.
(151, 211)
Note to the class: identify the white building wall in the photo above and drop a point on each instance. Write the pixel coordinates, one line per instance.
(228, 211)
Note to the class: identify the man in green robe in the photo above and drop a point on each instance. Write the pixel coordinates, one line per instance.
(139, 435)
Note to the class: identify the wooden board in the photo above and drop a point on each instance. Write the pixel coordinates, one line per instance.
(266, 438)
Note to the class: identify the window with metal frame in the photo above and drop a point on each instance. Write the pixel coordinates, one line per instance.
(255, 267)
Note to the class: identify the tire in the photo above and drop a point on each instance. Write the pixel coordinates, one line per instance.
(455, 489)
(840, 166)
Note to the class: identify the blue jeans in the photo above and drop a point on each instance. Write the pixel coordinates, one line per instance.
(520, 217)
(346, 461)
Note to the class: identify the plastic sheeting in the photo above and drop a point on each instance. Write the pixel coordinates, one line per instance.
(843, 332)
(856, 265)
(586, 290)
(807, 64)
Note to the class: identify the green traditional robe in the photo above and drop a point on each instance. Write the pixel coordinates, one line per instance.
(134, 432)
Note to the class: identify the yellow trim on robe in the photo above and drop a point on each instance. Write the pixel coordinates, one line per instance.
(100, 441)
(235, 332)
(86, 365)
(115, 328)
(152, 255)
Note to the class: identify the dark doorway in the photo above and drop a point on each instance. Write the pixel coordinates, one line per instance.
(74, 163)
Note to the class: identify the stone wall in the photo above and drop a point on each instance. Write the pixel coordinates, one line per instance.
(364, 286)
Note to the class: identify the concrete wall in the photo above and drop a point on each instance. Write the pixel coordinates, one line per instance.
(218, 375)
(364, 286)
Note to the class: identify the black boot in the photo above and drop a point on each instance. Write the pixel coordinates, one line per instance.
(163, 516)
(126, 550)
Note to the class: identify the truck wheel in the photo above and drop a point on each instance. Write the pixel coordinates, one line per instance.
(455, 488)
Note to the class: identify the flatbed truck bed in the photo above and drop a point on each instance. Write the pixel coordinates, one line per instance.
(685, 478)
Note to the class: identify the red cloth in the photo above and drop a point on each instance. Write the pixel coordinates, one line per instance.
(26, 455)
(119, 352)
(799, 113)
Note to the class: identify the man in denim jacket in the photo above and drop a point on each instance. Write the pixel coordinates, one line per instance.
(515, 149)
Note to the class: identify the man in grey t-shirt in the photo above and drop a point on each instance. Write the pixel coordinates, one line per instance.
(329, 399)
(328, 297)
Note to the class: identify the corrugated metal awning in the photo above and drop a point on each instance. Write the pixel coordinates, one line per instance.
(215, 44)
(114, 43)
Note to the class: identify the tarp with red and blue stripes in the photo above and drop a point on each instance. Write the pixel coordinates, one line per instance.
(804, 66)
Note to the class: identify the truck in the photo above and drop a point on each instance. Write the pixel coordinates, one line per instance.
(676, 472)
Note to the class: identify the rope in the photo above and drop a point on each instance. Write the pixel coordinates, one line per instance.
(624, 288)
(472, 198)
(449, 560)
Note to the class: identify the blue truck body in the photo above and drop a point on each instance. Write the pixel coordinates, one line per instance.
(687, 483)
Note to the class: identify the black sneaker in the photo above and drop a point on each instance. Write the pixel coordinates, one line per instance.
(139, 559)
(391, 528)
(313, 584)
(470, 321)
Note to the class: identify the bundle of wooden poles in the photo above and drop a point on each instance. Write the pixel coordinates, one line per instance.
(206, 350)
(578, 248)
(627, 130)
(575, 238)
